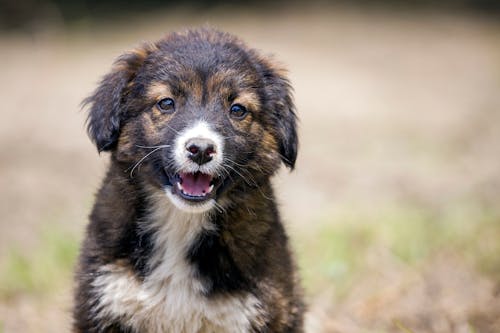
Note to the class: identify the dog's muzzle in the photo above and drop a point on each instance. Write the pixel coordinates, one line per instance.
(198, 156)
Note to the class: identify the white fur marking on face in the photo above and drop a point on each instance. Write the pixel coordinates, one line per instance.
(201, 130)
(189, 207)
(170, 299)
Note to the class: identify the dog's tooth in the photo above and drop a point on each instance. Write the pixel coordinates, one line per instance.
(179, 186)
(210, 188)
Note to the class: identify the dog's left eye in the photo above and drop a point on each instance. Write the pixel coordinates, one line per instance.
(166, 105)
(238, 111)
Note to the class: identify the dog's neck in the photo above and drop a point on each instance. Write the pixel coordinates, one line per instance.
(173, 228)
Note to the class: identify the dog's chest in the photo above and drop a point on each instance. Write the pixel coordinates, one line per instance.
(170, 298)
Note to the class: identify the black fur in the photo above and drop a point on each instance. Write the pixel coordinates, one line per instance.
(215, 265)
(107, 102)
(280, 98)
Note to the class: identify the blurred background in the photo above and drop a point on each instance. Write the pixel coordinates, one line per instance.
(394, 207)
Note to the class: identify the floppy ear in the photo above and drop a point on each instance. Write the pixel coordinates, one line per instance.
(282, 107)
(107, 101)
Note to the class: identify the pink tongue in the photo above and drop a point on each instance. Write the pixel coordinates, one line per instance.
(195, 184)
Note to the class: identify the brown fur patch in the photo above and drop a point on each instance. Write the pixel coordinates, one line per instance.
(250, 100)
(158, 90)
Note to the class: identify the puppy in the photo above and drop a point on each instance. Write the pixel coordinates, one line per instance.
(185, 234)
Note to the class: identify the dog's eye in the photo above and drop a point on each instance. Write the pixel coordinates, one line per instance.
(238, 111)
(166, 105)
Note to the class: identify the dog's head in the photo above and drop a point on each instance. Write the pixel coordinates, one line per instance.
(198, 113)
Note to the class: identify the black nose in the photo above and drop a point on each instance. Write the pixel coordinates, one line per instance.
(201, 150)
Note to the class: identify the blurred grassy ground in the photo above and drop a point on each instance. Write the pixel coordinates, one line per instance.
(393, 209)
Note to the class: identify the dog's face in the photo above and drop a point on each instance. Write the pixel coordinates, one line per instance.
(195, 114)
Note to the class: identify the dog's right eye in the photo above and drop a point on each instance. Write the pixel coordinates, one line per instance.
(238, 111)
(166, 105)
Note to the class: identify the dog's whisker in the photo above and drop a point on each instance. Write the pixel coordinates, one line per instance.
(234, 162)
(173, 129)
(249, 174)
(249, 182)
(231, 136)
(219, 208)
(227, 173)
(253, 180)
(141, 160)
(151, 147)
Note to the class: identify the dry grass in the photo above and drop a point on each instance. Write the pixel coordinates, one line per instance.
(393, 208)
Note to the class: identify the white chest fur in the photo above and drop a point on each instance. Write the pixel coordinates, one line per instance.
(170, 299)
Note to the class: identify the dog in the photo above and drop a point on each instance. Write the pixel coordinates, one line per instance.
(185, 234)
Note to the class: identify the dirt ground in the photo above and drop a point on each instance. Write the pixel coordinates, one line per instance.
(396, 108)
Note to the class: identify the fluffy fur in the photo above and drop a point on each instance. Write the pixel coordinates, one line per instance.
(178, 242)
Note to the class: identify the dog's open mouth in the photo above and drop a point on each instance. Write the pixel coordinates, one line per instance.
(195, 186)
